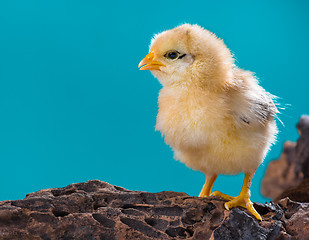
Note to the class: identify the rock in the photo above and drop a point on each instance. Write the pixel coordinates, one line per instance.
(300, 193)
(286, 177)
(296, 218)
(282, 173)
(302, 147)
(98, 210)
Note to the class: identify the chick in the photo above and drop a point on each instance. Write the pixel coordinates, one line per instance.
(215, 116)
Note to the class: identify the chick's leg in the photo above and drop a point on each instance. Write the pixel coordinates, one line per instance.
(206, 190)
(243, 199)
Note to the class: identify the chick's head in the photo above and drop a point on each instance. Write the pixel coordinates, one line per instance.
(189, 54)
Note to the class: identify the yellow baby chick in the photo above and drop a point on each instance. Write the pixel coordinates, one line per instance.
(215, 116)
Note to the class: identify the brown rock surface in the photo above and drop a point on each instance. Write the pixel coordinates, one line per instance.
(300, 193)
(98, 210)
(288, 176)
(282, 173)
(302, 147)
(295, 219)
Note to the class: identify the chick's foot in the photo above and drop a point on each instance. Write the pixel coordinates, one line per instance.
(242, 200)
(245, 202)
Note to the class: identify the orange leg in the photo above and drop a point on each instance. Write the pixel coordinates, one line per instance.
(206, 190)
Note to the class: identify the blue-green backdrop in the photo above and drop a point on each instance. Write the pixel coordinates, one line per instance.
(75, 107)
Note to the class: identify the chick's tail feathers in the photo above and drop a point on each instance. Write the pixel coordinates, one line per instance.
(281, 107)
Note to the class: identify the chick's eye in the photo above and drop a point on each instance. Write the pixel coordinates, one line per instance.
(172, 54)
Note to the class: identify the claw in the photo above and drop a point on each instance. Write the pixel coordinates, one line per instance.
(226, 207)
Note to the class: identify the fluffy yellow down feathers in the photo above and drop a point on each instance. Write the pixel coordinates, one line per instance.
(215, 116)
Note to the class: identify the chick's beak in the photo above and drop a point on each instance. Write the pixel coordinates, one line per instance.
(148, 63)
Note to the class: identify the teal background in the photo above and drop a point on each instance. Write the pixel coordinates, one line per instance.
(75, 107)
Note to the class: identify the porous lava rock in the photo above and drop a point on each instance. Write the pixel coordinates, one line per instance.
(97, 210)
(289, 175)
